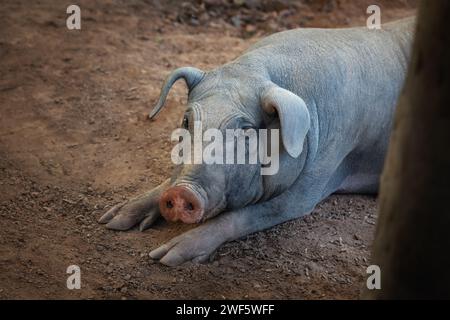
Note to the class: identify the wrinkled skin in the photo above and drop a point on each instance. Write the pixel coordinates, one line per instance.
(331, 92)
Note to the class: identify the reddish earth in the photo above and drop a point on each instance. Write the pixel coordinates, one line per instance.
(74, 140)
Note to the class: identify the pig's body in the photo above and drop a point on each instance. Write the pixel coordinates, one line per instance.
(349, 81)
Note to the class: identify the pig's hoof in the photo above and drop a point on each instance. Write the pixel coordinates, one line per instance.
(128, 214)
(195, 245)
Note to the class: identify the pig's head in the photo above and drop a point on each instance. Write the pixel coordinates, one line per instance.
(223, 100)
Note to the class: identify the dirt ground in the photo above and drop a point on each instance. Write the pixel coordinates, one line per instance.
(74, 140)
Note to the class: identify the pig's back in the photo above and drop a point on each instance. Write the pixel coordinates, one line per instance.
(352, 76)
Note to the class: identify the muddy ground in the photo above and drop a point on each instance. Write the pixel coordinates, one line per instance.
(74, 140)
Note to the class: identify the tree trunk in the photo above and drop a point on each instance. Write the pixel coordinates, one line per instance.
(412, 241)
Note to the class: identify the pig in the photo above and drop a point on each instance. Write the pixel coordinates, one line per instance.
(331, 93)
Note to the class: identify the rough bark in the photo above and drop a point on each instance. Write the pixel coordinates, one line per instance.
(412, 241)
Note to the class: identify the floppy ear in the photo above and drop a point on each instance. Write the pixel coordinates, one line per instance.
(293, 114)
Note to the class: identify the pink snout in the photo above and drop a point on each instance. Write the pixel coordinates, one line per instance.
(181, 203)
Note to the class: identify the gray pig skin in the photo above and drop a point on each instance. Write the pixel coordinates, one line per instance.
(349, 81)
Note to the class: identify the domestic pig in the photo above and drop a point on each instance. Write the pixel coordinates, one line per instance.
(331, 92)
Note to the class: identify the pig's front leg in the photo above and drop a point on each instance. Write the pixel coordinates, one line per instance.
(143, 209)
(198, 244)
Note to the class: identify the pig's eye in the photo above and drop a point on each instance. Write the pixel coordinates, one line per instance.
(185, 123)
(246, 125)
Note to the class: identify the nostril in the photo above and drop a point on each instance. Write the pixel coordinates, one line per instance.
(180, 203)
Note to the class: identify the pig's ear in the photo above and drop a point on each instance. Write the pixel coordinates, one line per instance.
(192, 76)
(293, 114)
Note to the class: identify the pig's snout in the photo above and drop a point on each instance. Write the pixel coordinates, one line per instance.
(182, 203)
